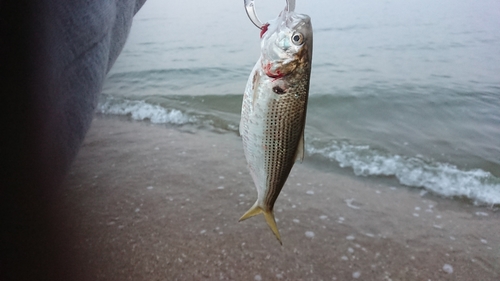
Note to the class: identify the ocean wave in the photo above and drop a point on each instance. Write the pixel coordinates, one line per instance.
(444, 179)
(141, 110)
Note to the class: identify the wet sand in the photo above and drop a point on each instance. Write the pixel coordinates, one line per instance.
(149, 202)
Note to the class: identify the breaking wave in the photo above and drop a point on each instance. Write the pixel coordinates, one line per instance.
(141, 110)
(444, 179)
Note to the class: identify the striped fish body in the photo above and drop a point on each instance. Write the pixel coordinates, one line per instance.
(274, 109)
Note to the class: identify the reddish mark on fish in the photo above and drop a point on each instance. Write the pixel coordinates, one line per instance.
(263, 29)
(277, 75)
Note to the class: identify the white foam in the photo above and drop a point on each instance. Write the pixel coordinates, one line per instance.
(448, 268)
(140, 110)
(349, 203)
(309, 234)
(356, 274)
(441, 178)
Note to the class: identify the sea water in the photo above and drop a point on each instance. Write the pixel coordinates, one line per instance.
(403, 89)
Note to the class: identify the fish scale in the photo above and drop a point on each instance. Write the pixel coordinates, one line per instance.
(282, 140)
(274, 109)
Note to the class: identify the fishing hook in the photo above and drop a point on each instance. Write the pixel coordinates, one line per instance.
(250, 9)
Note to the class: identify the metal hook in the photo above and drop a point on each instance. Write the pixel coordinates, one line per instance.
(250, 9)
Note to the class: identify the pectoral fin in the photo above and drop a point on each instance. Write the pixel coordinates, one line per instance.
(255, 88)
(268, 215)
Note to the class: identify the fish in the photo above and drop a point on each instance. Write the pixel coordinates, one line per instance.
(274, 106)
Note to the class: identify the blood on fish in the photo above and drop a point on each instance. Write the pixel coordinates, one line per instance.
(263, 29)
(267, 70)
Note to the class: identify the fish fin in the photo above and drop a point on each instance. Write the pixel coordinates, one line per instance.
(299, 155)
(240, 130)
(268, 215)
(272, 224)
(253, 211)
(255, 88)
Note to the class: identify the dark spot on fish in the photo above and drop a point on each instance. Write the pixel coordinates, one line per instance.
(278, 90)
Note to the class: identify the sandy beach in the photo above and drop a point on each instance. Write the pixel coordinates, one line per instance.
(150, 202)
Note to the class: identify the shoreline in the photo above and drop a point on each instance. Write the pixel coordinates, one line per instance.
(151, 202)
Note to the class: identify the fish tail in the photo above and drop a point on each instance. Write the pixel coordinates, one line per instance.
(253, 211)
(272, 224)
(268, 215)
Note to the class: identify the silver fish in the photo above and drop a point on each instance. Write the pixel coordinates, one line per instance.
(273, 112)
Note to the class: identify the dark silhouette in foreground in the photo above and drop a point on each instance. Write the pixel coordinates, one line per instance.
(54, 56)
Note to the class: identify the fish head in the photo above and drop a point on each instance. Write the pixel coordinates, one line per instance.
(286, 44)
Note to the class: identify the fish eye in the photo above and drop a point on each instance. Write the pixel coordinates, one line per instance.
(297, 38)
